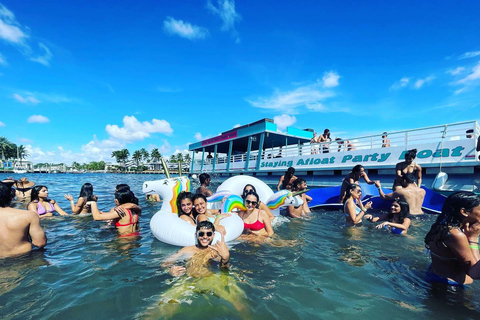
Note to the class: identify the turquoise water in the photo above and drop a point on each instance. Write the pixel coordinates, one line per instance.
(87, 272)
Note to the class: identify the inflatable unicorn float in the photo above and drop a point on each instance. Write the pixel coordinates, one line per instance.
(168, 228)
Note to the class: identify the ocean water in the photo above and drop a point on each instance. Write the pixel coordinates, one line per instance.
(88, 272)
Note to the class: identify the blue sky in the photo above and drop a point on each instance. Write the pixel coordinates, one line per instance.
(80, 79)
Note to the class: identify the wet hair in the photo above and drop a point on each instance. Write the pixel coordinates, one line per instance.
(451, 217)
(203, 177)
(409, 178)
(182, 196)
(288, 175)
(123, 187)
(253, 193)
(411, 154)
(244, 192)
(195, 197)
(124, 196)
(5, 195)
(36, 191)
(205, 225)
(87, 192)
(348, 192)
(357, 168)
(404, 210)
(297, 183)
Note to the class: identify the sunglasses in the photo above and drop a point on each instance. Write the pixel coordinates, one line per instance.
(253, 203)
(359, 191)
(201, 233)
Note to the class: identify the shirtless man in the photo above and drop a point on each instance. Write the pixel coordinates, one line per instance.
(204, 234)
(17, 227)
(205, 182)
(410, 193)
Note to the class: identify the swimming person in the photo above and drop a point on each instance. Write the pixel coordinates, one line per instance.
(353, 178)
(204, 183)
(262, 206)
(201, 213)
(353, 207)
(301, 185)
(397, 220)
(255, 221)
(42, 205)
(154, 197)
(185, 207)
(86, 195)
(23, 190)
(125, 187)
(20, 229)
(407, 166)
(126, 220)
(285, 181)
(409, 192)
(453, 241)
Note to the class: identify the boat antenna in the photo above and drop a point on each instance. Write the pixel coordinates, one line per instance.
(179, 168)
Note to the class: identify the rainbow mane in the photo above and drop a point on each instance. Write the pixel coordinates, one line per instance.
(278, 199)
(218, 196)
(177, 188)
(233, 202)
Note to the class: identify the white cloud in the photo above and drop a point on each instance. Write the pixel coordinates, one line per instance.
(283, 121)
(97, 150)
(468, 55)
(330, 79)
(45, 58)
(2, 124)
(400, 84)
(420, 82)
(474, 75)
(10, 29)
(184, 29)
(226, 12)
(237, 125)
(456, 71)
(308, 96)
(37, 119)
(134, 130)
(28, 99)
(3, 60)
(198, 136)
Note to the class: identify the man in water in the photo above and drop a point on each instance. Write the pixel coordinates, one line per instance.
(20, 229)
(204, 234)
(205, 182)
(410, 193)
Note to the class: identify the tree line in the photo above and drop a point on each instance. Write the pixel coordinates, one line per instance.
(142, 156)
(10, 151)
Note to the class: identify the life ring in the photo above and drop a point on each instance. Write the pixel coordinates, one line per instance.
(165, 224)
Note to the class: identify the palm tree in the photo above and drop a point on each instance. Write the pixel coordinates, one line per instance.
(137, 156)
(155, 155)
(5, 146)
(22, 153)
(124, 154)
(180, 157)
(173, 158)
(187, 159)
(145, 154)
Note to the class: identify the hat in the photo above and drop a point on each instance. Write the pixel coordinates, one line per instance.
(8, 182)
(23, 183)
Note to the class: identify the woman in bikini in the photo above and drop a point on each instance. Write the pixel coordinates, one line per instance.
(124, 214)
(353, 207)
(287, 179)
(86, 195)
(185, 207)
(42, 205)
(255, 221)
(453, 241)
(354, 178)
(407, 166)
(397, 220)
(262, 206)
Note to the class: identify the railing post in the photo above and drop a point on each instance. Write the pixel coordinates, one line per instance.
(203, 159)
(249, 148)
(229, 157)
(214, 158)
(260, 151)
(193, 162)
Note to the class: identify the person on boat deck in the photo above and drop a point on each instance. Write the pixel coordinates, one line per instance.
(42, 205)
(453, 241)
(314, 141)
(285, 181)
(204, 183)
(339, 143)
(23, 190)
(154, 197)
(205, 233)
(353, 178)
(385, 141)
(124, 214)
(262, 206)
(255, 221)
(86, 195)
(407, 166)
(349, 146)
(201, 213)
(301, 211)
(325, 139)
(185, 207)
(409, 192)
(353, 207)
(20, 229)
(397, 220)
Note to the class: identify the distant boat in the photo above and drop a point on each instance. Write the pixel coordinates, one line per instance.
(20, 170)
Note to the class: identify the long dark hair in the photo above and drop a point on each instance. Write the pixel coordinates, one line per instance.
(36, 191)
(195, 197)
(404, 210)
(411, 153)
(297, 183)
(182, 196)
(288, 175)
(245, 192)
(87, 192)
(124, 196)
(124, 188)
(356, 170)
(348, 192)
(451, 217)
(5, 195)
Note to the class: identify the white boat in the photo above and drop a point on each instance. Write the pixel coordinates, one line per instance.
(19, 170)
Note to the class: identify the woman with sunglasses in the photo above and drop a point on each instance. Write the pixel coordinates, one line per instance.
(255, 221)
(261, 206)
(352, 205)
(397, 220)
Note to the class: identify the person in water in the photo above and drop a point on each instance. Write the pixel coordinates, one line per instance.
(262, 206)
(397, 220)
(20, 229)
(353, 207)
(42, 205)
(154, 197)
(407, 166)
(86, 195)
(23, 190)
(354, 178)
(301, 211)
(185, 207)
(287, 179)
(453, 241)
(255, 221)
(204, 183)
(201, 213)
(124, 214)
(409, 192)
